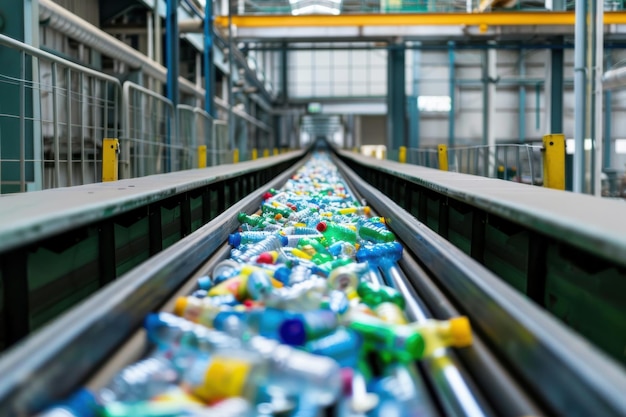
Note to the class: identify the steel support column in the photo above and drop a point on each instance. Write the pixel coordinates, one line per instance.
(608, 124)
(414, 113)
(489, 109)
(522, 97)
(172, 58)
(396, 98)
(209, 68)
(556, 89)
(588, 94)
(452, 92)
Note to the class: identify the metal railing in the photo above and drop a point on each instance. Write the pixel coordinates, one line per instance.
(149, 133)
(512, 162)
(54, 139)
(519, 163)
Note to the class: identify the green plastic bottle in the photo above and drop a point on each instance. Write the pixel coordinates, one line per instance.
(334, 232)
(375, 232)
(254, 220)
(374, 294)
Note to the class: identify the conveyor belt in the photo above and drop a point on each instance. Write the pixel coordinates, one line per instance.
(522, 362)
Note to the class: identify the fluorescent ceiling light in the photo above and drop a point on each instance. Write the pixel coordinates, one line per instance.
(315, 9)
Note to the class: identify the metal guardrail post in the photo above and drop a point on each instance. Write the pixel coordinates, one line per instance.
(275, 152)
(554, 161)
(255, 154)
(266, 153)
(402, 155)
(110, 152)
(202, 156)
(235, 156)
(443, 157)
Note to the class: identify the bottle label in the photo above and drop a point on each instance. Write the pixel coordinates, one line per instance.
(224, 378)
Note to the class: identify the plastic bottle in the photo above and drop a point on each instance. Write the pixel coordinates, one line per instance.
(254, 220)
(327, 267)
(302, 327)
(380, 252)
(140, 381)
(390, 313)
(262, 365)
(270, 243)
(373, 294)
(236, 239)
(455, 332)
(343, 345)
(335, 232)
(342, 249)
(274, 208)
(302, 296)
(259, 285)
(375, 232)
(82, 403)
(231, 407)
(344, 279)
(403, 342)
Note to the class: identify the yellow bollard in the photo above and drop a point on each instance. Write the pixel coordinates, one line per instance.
(235, 156)
(110, 163)
(442, 150)
(202, 156)
(266, 153)
(255, 154)
(275, 151)
(554, 161)
(402, 155)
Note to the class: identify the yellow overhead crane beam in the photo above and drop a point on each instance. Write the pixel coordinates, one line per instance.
(516, 18)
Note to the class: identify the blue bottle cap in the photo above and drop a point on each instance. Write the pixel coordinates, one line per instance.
(282, 274)
(292, 332)
(284, 240)
(205, 283)
(234, 239)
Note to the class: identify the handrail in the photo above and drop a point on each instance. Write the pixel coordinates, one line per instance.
(39, 53)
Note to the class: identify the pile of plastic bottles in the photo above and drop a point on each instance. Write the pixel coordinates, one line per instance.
(295, 323)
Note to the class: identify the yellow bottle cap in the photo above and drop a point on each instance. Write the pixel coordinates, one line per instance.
(180, 305)
(299, 225)
(366, 210)
(247, 270)
(461, 331)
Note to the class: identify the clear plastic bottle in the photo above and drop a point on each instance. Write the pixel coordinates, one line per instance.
(343, 345)
(380, 252)
(300, 328)
(239, 238)
(140, 381)
(270, 243)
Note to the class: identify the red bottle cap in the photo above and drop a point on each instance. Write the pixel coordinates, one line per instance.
(321, 226)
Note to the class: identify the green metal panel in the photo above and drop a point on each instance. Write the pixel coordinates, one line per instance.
(588, 295)
(460, 226)
(18, 103)
(506, 252)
